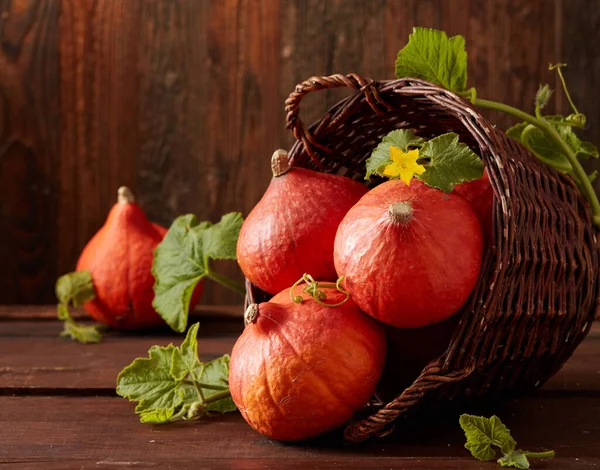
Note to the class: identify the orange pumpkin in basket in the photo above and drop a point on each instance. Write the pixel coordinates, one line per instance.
(292, 228)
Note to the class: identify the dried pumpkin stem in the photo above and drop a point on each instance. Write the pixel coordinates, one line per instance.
(125, 195)
(280, 164)
(251, 314)
(401, 212)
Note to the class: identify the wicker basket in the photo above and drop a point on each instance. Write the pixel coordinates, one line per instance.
(538, 289)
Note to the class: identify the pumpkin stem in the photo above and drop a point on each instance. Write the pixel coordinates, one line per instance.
(125, 196)
(401, 212)
(251, 314)
(280, 164)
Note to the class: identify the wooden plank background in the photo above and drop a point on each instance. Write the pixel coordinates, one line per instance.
(183, 100)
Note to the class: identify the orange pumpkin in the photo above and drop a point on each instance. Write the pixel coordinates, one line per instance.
(299, 370)
(119, 257)
(292, 228)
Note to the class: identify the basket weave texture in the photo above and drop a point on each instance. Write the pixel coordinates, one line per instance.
(538, 289)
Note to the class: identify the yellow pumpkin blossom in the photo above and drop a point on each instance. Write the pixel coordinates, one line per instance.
(404, 164)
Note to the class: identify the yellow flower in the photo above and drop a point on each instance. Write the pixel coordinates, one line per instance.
(404, 164)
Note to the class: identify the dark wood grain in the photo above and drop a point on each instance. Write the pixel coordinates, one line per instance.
(183, 100)
(581, 23)
(58, 411)
(33, 359)
(99, 115)
(29, 143)
(105, 432)
(48, 312)
(275, 463)
(509, 43)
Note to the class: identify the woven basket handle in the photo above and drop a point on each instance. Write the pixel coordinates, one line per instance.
(292, 104)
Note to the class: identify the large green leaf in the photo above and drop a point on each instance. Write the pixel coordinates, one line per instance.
(182, 259)
(172, 380)
(434, 57)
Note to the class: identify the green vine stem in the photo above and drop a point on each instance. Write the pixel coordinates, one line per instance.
(225, 281)
(579, 173)
(198, 409)
(314, 289)
(558, 68)
(540, 455)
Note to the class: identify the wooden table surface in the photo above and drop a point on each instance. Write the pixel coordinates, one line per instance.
(59, 410)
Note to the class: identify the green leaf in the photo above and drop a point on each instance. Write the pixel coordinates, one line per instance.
(565, 129)
(450, 162)
(185, 358)
(516, 131)
(216, 373)
(149, 381)
(172, 380)
(482, 432)
(588, 149)
(62, 311)
(515, 458)
(546, 149)
(380, 157)
(434, 57)
(75, 288)
(225, 405)
(157, 416)
(181, 260)
(86, 334)
(220, 240)
(538, 142)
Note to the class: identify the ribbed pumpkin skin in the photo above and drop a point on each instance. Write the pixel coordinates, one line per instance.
(292, 228)
(119, 257)
(302, 369)
(480, 195)
(409, 275)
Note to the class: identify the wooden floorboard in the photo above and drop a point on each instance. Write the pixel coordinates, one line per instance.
(58, 410)
(379, 463)
(33, 356)
(96, 431)
(48, 312)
